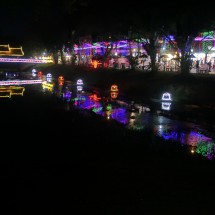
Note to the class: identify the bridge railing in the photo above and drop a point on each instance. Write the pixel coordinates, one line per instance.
(25, 60)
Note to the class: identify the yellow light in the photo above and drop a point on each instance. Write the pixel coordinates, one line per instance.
(14, 90)
(114, 88)
(47, 85)
(5, 93)
(17, 90)
(9, 51)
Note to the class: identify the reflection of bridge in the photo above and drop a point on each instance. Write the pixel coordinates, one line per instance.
(11, 90)
(25, 60)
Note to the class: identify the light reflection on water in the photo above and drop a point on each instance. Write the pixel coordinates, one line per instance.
(140, 118)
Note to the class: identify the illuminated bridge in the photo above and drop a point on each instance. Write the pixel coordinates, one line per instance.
(12, 64)
(20, 82)
(25, 60)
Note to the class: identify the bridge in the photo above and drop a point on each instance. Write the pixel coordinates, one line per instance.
(25, 60)
(12, 64)
(20, 82)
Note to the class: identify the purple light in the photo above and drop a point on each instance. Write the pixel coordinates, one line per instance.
(203, 39)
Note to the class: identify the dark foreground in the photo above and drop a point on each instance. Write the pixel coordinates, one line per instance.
(63, 160)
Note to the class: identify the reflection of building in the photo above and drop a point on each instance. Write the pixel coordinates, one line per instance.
(6, 50)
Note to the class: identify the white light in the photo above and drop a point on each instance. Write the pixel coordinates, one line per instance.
(166, 105)
(79, 88)
(49, 79)
(166, 97)
(79, 82)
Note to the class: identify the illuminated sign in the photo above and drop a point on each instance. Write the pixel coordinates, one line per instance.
(79, 82)
(114, 88)
(166, 97)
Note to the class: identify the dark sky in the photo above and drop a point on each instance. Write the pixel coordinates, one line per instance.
(47, 21)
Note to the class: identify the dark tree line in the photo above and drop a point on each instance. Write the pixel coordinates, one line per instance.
(50, 24)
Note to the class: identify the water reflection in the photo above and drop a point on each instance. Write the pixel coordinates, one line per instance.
(166, 105)
(138, 117)
(47, 86)
(8, 91)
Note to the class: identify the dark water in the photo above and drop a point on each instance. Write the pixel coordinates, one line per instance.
(112, 106)
(140, 117)
(45, 163)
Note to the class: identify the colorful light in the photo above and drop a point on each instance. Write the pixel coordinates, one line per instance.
(40, 74)
(60, 80)
(114, 95)
(49, 75)
(5, 93)
(114, 88)
(11, 90)
(79, 88)
(79, 82)
(47, 85)
(17, 90)
(94, 97)
(166, 97)
(165, 105)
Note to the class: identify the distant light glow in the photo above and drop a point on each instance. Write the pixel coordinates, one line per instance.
(94, 97)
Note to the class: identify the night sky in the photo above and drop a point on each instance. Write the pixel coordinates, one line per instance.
(48, 22)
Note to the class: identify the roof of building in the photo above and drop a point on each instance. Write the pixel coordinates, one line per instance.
(6, 50)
